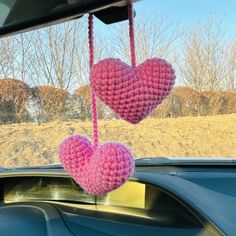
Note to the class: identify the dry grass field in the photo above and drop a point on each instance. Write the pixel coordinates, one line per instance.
(211, 136)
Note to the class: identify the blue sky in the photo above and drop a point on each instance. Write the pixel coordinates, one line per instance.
(186, 13)
(190, 12)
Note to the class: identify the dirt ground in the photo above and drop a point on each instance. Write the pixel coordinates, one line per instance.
(30, 144)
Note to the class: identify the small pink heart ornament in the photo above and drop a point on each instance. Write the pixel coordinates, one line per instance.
(132, 93)
(96, 171)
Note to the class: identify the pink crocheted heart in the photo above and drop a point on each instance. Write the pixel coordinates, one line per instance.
(99, 171)
(132, 93)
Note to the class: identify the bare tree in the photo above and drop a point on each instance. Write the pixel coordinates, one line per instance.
(8, 52)
(61, 55)
(202, 66)
(15, 59)
(54, 59)
(155, 37)
(101, 50)
(23, 60)
(230, 66)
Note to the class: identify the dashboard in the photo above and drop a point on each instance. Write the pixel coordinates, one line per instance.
(56, 205)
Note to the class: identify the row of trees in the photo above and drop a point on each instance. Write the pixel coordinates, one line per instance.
(184, 101)
(208, 58)
(51, 69)
(54, 56)
(48, 56)
(204, 58)
(20, 103)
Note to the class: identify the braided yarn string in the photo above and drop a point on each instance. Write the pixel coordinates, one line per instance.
(131, 34)
(91, 62)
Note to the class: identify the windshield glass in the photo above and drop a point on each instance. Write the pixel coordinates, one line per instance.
(45, 95)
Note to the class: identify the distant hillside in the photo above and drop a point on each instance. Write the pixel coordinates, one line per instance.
(211, 136)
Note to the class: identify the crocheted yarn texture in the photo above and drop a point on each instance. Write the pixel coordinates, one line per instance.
(132, 93)
(96, 171)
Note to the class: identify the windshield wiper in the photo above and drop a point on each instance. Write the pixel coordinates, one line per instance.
(2, 169)
(185, 161)
(53, 166)
(152, 161)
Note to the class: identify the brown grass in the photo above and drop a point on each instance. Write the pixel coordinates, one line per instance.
(212, 136)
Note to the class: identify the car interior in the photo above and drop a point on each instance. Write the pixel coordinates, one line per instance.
(164, 197)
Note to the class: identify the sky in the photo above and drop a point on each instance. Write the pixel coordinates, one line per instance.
(190, 12)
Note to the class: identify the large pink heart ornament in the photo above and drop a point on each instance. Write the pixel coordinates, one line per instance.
(132, 93)
(96, 171)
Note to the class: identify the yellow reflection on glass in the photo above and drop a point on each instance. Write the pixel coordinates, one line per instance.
(131, 194)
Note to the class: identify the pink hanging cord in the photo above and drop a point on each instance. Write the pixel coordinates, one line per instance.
(131, 34)
(94, 105)
(91, 62)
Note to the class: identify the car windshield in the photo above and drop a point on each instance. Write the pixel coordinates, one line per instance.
(45, 93)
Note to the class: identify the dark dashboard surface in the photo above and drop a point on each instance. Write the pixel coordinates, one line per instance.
(159, 200)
